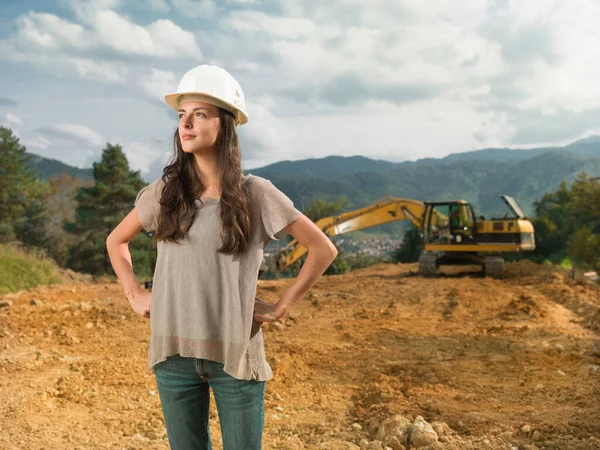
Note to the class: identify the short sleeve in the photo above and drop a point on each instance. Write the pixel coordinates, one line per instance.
(148, 206)
(277, 211)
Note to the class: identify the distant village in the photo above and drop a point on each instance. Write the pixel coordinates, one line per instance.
(376, 246)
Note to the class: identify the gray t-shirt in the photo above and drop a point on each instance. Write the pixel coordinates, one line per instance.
(203, 301)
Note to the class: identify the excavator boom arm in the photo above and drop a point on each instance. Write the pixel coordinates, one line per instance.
(389, 209)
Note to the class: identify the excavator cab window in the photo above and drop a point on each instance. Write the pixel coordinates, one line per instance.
(449, 223)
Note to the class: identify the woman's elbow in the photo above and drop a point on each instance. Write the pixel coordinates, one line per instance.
(333, 252)
(114, 240)
(110, 241)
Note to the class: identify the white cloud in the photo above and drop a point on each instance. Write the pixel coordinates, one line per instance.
(99, 71)
(494, 131)
(265, 133)
(259, 22)
(78, 133)
(159, 39)
(38, 143)
(50, 32)
(392, 79)
(159, 83)
(96, 47)
(14, 120)
(504, 61)
(142, 155)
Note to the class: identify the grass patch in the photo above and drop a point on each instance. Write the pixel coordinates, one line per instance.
(23, 270)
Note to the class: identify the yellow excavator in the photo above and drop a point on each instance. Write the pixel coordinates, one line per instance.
(452, 234)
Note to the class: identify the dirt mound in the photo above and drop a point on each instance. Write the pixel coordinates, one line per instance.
(480, 363)
(522, 306)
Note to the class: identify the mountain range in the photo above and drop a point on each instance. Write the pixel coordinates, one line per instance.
(478, 176)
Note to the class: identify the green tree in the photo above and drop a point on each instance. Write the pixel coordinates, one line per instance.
(321, 208)
(568, 224)
(584, 249)
(99, 210)
(22, 194)
(411, 247)
(339, 264)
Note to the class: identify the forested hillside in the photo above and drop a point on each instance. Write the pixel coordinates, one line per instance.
(479, 181)
(478, 176)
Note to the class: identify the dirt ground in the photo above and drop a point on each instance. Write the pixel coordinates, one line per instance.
(510, 364)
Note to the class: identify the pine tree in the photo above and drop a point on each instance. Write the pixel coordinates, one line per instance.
(22, 194)
(99, 210)
(411, 247)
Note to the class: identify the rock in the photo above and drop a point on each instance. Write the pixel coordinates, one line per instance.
(394, 443)
(6, 303)
(537, 436)
(434, 446)
(139, 437)
(34, 302)
(375, 445)
(278, 409)
(152, 435)
(356, 427)
(422, 433)
(441, 428)
(561, 373)
(526, 430)
(89, 325)
(559, 347)
(363, 443)
(594, 368)
(85, 306)
(538, 387)
(394, 426)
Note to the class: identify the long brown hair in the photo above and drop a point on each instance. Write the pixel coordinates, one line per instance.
(183, 186)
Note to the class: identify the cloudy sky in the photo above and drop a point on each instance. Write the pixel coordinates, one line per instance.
(388, 79)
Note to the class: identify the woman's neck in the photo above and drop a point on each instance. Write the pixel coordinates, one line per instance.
(208, 170)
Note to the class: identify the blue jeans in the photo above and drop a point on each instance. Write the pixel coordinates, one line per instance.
(183, 385)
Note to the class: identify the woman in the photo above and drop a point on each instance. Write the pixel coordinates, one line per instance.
(212, 224)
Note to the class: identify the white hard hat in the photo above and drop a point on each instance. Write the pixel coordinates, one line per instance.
(213, 85)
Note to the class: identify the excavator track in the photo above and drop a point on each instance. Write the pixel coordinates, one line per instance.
(493, 266)
(428, 265)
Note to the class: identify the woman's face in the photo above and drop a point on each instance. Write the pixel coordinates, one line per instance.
(199, 126)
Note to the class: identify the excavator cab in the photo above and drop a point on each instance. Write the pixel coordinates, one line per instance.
(449, 223)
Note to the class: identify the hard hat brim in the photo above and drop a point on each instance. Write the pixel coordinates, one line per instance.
(240, 116)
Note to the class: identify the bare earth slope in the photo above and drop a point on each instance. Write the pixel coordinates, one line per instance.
(511, 364)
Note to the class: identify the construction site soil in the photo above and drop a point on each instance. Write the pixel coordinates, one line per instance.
(477, 363)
